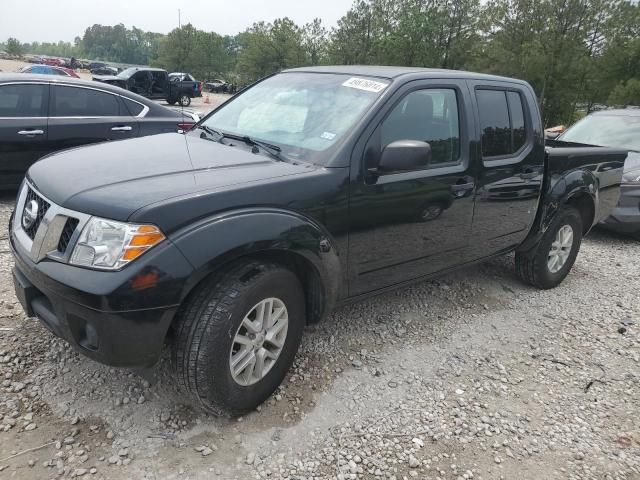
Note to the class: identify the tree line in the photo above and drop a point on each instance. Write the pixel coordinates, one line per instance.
(575, 53)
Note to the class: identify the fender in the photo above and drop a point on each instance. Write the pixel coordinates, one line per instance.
(222, 238)
(560, 189)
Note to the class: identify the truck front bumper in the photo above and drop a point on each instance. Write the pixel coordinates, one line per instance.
(116, 318)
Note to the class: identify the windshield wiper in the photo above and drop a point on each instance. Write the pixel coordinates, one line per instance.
(211, 131)
(274, 150)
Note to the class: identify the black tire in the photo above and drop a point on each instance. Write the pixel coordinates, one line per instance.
(430, 212)
(171, 102)
(184, 100)
(207, 325)
(532, 266)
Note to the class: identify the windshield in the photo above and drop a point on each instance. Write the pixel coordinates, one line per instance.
(616, 131)
(305, 114)
(127, 72)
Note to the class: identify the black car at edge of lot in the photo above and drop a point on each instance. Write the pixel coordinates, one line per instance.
(618, 128)
(312, 188)
(41, 114)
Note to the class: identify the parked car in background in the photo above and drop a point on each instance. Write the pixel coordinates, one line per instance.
(49, 70)
(216, 86)
(94, 65)
(185, 81)
(53, 61)
(312, 188)
(617, 129)
(32, 58)
(151, 83)
(106, 70)
(40, 114)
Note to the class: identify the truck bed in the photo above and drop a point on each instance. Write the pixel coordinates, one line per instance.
(565, 160)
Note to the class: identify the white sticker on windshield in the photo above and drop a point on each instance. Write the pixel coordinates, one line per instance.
(365, 84)
(328, 135)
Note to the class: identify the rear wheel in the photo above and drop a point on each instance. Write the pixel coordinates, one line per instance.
(184, 100)
(548, 263)
(238, 335)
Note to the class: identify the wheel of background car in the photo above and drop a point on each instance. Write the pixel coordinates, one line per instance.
(431, 212)
(548, 263)
(185, 100)
(171, 102)
(237, 335)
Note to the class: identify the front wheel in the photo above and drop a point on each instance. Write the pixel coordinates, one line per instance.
(237, 336)
(548, 263)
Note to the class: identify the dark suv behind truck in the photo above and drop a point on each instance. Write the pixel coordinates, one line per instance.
(156, 83)
(312, 188)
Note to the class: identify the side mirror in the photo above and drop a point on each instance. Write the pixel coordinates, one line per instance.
(551, 135)
(404, 155)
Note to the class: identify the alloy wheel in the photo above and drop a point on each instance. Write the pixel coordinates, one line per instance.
(259, 341)
(560, 249)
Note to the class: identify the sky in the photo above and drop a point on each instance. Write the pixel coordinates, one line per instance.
(53, 20)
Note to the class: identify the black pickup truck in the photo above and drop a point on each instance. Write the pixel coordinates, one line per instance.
(156, 83)
(312, 188)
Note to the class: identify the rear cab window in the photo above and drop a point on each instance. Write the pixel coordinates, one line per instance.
(503, 122)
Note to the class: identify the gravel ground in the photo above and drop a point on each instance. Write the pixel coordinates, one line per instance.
(473, 375)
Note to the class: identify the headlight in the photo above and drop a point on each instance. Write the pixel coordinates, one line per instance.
(110, 245)
(632, 176)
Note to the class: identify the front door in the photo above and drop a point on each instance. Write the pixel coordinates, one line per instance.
(406, 224)
(23, 129)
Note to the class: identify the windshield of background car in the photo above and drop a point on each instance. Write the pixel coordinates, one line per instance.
(127, 72)
(615, 131)
(305, 114)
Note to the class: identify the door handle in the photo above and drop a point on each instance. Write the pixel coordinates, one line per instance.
(125, 128)
(31, 132)
(528, 175)
(462, 187)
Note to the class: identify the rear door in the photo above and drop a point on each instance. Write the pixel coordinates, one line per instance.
(511, 169)
(82, 115)
(23, 129)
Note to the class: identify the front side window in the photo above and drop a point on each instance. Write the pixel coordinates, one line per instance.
(23, 100)
(429, 115)
(303, 113)
(502, 122)
(84, 102)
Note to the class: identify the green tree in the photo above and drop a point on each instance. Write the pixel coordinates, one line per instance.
(626, 93)
(314, 41)
(266, 48)
(14, 47)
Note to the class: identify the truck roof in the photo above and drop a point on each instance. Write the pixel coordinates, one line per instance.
(392, 72)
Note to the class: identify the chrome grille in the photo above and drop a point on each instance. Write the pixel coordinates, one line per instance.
(47, 230)
(69, 227)
(43, 206)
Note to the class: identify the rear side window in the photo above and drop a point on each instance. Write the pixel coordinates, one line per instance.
(502, 122)
(134, 108)
(23, 100)
(84, 102)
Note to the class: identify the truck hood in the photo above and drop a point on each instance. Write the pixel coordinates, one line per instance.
(115, 179)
